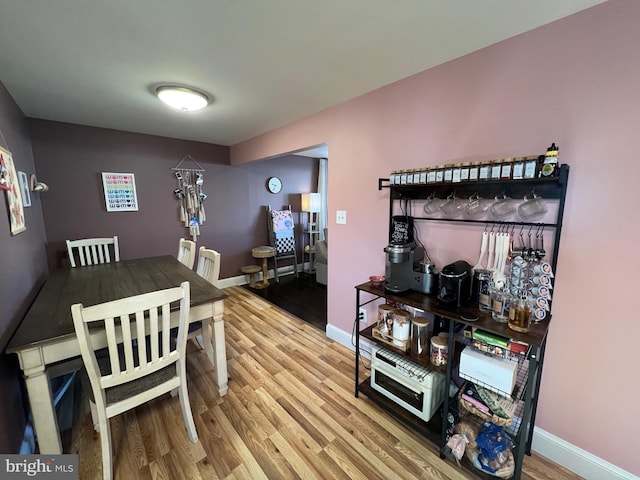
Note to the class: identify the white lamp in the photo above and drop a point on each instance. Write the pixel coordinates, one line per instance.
(182, 98)
(310, 202)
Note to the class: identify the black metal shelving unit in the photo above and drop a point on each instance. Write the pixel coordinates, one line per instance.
(528, 390)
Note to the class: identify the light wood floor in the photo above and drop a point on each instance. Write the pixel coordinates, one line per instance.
(290, 413)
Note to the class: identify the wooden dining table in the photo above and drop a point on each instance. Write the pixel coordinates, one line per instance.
(45, 340)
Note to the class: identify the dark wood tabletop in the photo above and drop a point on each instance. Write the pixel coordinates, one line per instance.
(50, 314)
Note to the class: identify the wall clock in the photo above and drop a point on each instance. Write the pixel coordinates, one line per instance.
(274, 184)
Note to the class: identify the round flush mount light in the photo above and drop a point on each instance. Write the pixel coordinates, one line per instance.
(182, 98)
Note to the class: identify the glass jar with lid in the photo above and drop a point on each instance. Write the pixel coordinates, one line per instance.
(439, 351)
(403, 177)
(496, 168)
(517, 172)
(410, 176)
(464, 171)
(457, 173)
(431, 174)
(485, 170)
(440, 173)
(424, 172)
(506, 169)
(448, 173)
(531, 166)
(474, 171)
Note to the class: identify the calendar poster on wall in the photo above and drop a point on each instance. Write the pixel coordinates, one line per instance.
(120, 192)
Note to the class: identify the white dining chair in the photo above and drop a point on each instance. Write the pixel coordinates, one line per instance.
(131, 371)
(93, 251)
(187, 252)
(208, 268)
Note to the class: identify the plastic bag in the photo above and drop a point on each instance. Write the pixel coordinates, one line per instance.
(493, 445)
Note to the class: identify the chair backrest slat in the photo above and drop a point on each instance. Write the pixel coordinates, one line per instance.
(93, 251)
(148, 316)
(186, 252)
(209, 265)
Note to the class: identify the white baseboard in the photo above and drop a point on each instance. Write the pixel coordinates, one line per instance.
(546, 444)
(576, 459)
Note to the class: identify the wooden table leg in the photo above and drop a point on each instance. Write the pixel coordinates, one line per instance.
(220, 349)
(45, 422)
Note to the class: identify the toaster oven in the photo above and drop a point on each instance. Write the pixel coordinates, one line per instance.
(411, 385)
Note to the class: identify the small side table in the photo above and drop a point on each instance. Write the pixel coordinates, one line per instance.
(264, 253)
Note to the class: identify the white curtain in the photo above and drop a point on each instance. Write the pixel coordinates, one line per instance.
(322, 190)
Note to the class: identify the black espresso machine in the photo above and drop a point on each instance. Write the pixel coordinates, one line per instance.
(455, 283)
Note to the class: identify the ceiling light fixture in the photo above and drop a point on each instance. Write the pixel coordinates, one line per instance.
(182, 98)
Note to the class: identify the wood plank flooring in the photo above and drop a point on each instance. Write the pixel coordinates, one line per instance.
(290, 413)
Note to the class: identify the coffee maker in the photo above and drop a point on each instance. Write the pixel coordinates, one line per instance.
(404, 267)
(455, 283)
(405, 270)
(399, 266)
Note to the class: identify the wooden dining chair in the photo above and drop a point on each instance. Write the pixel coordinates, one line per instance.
(187, 252)
(131, 371)
(92, 251)
(208, 268)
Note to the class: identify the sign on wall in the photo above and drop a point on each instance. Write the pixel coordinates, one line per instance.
(119, 192)
(9, 182)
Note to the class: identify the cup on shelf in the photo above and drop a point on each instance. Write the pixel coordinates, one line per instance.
(432, 205)
(502, 206)
(453, 206)
(474, 207)
(532, 207)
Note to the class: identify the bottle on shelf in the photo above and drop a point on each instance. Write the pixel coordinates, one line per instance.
(549, 165)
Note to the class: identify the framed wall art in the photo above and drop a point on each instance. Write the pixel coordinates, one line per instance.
(9, 182)
(24, 189)
(120, 192)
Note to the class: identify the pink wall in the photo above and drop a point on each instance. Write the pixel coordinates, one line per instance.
(574, 82)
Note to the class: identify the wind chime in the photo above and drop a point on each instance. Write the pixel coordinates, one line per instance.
(190, 196)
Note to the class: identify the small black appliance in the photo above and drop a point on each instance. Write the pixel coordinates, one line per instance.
(455, 283)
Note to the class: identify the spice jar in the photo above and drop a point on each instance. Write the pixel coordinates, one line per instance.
(431, 174)
(518, 169)
(505, 169)
(485, 170)
(474, 171)
(423, 176)
(410, 176)
(457, 174)
(531, 167)
(439, 173)
(439, 351)
(464, 171)
(448, 173)
(496, 168)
